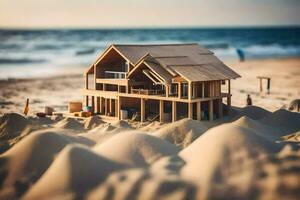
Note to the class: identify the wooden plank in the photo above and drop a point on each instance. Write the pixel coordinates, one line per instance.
(116, 108)
(110, 106)
(93, 104)
(190, 110)
(161, 111)
(211, 110)
(174, 111)
(86, 81)
(142, 110)
(189, 91)
(86, 100)
(112, 81)
(119, 108)
(203, 87)
(229, 87)
(179, 90)
(199, 111)
(105, 106)
(97, 105)
(101, 105)
(220, 109)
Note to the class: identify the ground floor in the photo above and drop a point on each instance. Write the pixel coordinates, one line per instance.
(163, 110)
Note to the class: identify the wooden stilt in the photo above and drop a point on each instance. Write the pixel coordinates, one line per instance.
(93, 104)
(119, 108)
(86, 100)
(220, 109)
(211, 110)
(179, 90)
(116, 108)
(203, 87)
(190, 90)
(199, 111)
(101, 105)
(174, 111)
(97, 105)
(190, 110)
(142, 110)
(161, 111)
(110, 106)
(105, 106)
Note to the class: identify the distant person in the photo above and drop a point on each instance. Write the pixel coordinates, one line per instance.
(241, 54)
(249, 100)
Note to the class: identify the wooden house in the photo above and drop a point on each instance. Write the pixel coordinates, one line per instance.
(169, 81)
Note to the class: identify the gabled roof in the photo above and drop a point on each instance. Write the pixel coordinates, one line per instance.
(190, 61)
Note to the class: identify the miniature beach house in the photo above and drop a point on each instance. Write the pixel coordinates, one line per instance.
(163, 82)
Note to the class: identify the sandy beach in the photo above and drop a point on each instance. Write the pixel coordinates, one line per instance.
(253, 153)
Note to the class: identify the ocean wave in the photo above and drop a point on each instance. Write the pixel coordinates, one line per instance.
(20, 61)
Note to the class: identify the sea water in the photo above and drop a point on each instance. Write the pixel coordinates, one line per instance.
(37, 53)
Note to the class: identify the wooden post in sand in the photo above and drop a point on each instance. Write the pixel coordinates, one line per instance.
(26, 109)
(190, 110)
(174, 111)
(199, 110)
(93, 104)
(161, 111)
(211, 110)
(142, 110)
(220, 108)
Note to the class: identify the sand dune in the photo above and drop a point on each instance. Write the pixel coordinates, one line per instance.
(69, 123)
(76, 170)
(92, 122)
(212, 157)
(182, 132)
(28, 159)
(289, 121)
(138, 150)
(240, 159)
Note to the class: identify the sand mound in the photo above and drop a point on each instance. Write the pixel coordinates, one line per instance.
(75, 170)
(290, 121)
(135, 148)
(221, 150)
(268, 132)
(253, 112)
(121, 124)
(92, 122)
(27, 160)
(182, 132)
(12, 125)
(69, 123)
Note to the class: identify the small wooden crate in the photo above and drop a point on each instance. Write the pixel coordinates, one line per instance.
(75, 106)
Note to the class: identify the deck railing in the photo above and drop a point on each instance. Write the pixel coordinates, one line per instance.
(146, 91)
(115, 74)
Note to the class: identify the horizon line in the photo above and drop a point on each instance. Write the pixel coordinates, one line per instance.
(152, 27)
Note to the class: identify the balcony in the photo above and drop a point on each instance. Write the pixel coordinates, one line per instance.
(147, 91)
(115, 75)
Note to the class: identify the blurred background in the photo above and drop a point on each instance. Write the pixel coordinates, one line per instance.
(43, 38)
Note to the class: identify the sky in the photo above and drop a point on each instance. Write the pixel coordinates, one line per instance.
(147, 13)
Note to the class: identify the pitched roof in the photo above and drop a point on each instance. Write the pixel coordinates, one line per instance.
(191, 61)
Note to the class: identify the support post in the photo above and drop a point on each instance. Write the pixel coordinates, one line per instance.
(229, 87)
(104, 87)
(179, 90)
(211, 110)
(174, 111)
(93, 104)
(220, 108)
(161, 111)
(116, 108)
(199, 110)
(95, 77)
(86, 81)
(86, 100)
(101, 105)
(97, 105)
(167, 90)
(190, 110)
(105, 106)
(110, 106)
(203, 87)
(189, 91)
(119, 108)
(142, 110)
(260, 85)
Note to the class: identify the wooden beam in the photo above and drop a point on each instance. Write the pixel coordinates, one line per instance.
(229, 87)
(116, 108)
(190, 110)
(119, 108)
(211, 110)
(189, 91)
(161, 111)
(167, 90)
(95, 76)
(203, 87)
(174, 111)
(86, 100)
(179, 90)
(142, 110)
(86, 81)
(97, 105)
(110, 106)
(105, 106)
(93, 104)
(101, 105)
(220, 109)
(199, 111)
